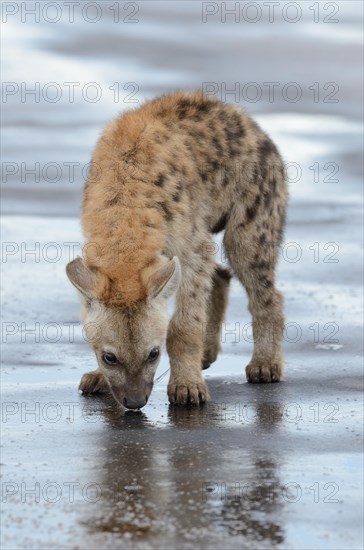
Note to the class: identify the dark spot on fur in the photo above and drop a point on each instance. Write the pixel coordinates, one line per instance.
(234, 134)
(240, 131)
(167, 213)
(193, 295)
(252, 211)
(201, 110)
(113, 201)
(226, 178)
(220, 224)
(230, 136)
(214, 165)
(198, 135)
(268, 302)
(191, 149)
(282, 227)
(267, 199)
(173, 168)
(204, 172)
(222, 116)
(178, 192)
(193, 108)
(183, 108)
(267, 148)
(218, 146)
(268, 159)
(160, 181)
(262, 239)
(204, 106)
(264, 281)
(260, 265)
(237, 129)
(274, 186)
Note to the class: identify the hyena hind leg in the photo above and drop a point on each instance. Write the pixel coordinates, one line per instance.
(93, 382)
(254, 265)
(215, 315)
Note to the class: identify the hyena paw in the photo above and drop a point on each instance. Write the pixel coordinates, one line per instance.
(93, 382)
(210, 355)
(259, 372)
(188, 392)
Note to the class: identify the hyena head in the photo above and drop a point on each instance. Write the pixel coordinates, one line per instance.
(127, 339)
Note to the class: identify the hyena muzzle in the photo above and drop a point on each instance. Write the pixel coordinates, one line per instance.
(164, 178)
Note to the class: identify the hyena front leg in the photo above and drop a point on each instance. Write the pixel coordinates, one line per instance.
(254, 265)
(215, 315)
(185, 338)
(93, 382)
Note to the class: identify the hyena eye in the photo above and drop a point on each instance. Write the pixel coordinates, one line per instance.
(109, 358)
(154, 354)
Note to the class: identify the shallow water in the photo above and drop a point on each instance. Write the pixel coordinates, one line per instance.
(258, 467)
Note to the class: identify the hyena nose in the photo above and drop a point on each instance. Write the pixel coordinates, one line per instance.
(135, 402)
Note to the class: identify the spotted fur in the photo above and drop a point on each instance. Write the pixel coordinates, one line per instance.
(164, 178)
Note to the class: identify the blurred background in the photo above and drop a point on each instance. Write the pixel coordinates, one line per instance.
(68, 68)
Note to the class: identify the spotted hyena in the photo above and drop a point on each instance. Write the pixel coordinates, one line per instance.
(165, 177)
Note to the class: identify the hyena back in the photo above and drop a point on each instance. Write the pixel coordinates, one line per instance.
(164, 178)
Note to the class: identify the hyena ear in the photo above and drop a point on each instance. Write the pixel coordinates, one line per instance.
(165, 280)
(85, 280)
